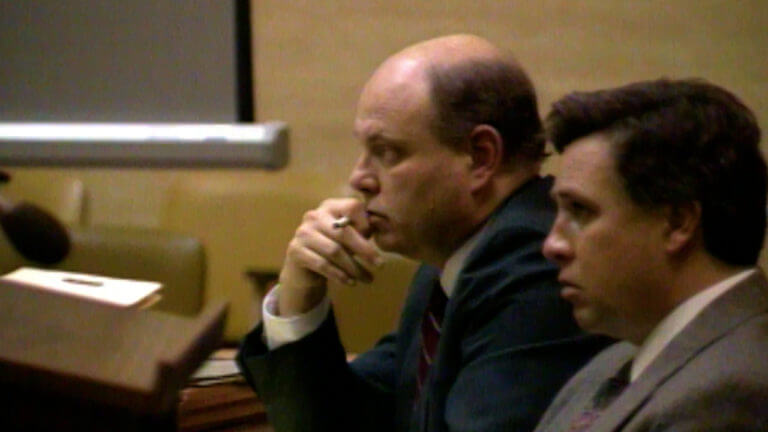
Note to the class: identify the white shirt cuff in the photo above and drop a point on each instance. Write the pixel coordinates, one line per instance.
(279, 331)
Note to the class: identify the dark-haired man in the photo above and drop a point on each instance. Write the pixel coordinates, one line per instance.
(661, 217)
(449, 175)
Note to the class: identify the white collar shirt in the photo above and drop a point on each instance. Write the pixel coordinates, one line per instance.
(677, 320)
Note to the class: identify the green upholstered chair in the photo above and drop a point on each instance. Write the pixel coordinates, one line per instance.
(178, 261)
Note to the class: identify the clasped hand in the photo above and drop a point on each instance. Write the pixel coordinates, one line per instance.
(320, 252)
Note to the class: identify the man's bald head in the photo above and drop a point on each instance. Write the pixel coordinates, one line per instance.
(469, 82)
(451, 49)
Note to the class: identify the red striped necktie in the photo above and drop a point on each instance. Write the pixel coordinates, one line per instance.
(430, 330)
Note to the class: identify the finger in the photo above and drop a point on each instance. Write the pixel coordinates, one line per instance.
(344, 221)
(341, 222)
(358, 218)
(347, 212)
(340, 256)
(318, 264)
(360, 247)
(346, 231)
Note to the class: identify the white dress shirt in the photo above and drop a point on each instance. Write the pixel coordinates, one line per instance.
(680, 317)
(279, 331)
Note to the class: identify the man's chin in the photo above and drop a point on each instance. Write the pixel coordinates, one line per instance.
(586, 319)
(389, 243)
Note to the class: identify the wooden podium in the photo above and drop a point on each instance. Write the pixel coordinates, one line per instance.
(72, 365)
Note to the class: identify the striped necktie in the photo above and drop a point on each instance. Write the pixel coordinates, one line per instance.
(430, 330)
(607, 393)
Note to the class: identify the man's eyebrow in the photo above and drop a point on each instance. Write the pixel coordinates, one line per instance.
(380, 138)
(566, 193)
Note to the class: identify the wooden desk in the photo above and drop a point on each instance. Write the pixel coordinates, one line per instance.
(222, 407)
(231, 407)
(67, 364)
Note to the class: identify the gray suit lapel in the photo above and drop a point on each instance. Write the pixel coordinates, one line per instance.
(744, 301)
(578, 394)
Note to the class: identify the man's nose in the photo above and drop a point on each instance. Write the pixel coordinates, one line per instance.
(363, 177)
(557, 247)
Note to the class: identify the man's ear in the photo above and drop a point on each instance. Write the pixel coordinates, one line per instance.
(683, 222)
(486, 149)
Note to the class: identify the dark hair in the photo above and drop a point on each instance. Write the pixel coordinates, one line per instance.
(678, 142)
(495, 92)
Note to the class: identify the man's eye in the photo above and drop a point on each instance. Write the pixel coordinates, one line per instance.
(388, 155)
(578, 210)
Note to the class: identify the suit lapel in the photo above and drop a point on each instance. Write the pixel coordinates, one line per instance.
(577, 396)
(742, 302)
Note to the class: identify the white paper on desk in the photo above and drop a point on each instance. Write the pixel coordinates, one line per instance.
(216, 368)
(119, 292)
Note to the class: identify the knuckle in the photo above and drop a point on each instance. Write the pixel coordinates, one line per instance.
(309, 216)
(293, 249)
(293, 245)
(325, 268)
(301, 233)
(335, 251)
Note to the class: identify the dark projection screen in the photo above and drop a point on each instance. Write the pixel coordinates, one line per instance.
(125, 61)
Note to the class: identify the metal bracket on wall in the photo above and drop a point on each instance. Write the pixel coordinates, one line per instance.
(145, 145)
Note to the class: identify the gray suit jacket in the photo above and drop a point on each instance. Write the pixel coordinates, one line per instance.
(713, 376)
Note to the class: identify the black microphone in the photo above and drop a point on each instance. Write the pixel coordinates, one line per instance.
(35, 233)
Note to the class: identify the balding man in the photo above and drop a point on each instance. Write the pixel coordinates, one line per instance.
(449, 175)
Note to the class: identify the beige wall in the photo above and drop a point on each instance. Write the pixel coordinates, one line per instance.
(313, 56)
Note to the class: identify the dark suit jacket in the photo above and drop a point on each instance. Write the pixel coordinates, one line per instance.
(713, 376)
(508, 343)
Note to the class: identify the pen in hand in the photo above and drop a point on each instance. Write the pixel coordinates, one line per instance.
(341, 222)
(361, 264)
